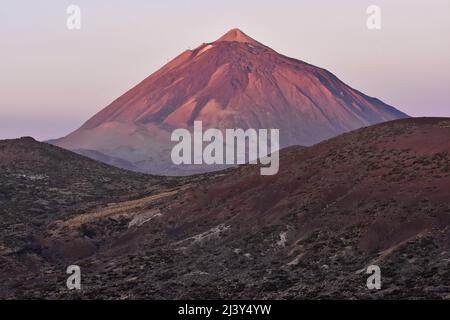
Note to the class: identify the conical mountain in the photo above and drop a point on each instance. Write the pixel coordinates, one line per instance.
(234, 82)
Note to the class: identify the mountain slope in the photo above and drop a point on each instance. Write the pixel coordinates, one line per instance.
(40, 183)
(234, 82)
(378, 195)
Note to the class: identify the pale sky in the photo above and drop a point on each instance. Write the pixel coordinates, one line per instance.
(53, 79)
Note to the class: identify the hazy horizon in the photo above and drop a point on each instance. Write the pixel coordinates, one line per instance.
(52, 79)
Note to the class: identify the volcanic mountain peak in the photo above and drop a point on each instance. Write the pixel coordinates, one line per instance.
(236, 35)
(234, 82)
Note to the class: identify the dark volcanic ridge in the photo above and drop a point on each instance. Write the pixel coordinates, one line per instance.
(378, 195)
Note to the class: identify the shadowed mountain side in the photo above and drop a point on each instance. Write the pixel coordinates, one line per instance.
(40, 183)
(377, 195)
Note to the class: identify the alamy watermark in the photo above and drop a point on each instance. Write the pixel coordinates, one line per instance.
(374, 280)
(73, 21)
(74, 280)
(230, 149)
(373, 22)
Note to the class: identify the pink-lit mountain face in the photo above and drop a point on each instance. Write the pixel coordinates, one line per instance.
(234, 82)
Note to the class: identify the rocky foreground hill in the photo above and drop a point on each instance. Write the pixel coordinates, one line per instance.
(376, 196)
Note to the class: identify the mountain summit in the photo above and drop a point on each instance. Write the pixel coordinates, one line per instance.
(233, 82)
(236, 35)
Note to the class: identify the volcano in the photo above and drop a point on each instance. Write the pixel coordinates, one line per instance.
(233, 82)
